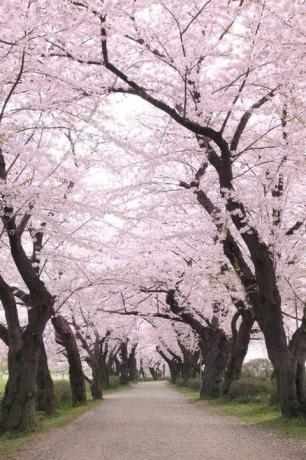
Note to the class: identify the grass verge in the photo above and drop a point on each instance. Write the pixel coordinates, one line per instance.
(11, 443)
(258, 413)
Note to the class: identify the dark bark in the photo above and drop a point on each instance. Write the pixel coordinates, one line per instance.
(117, 366)
(215, 353)
(110, 366)
(297, 349)
(45, 400)
(66, 338)
(173, 363)
(19, 401)
(214, 346)
(99, 358)
(238, 347)
(186, 363)
(141, 369)
(94, 359)
(4, 334)
(18, 404)
(132, 364)
(124, 365)
(260, 289)
(97, 384)
(153, 373)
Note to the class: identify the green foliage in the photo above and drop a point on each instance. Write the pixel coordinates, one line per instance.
(259, 368)
(250, 389)
(62, 393)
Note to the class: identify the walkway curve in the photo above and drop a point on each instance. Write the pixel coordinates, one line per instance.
(154, 422)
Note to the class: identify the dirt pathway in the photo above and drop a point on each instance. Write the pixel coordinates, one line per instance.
(151, 422)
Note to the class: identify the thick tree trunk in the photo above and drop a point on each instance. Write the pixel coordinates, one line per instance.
(117, 366)
(97, 384)
(19, 401)
(280, 357)
(269, 317)
(214, 347)
(215, 352)
(263, 294)
(45, 400)
(187, 367)
(153, 373)
(238, 348)
(18, 404)
(187, 362)
(132, 365)
(141, 369)
(173, 363)
(106, 380)
(45, 389)
(174, 368)
(18, 410)
(124, 366)
(297, 349)
(66, 338)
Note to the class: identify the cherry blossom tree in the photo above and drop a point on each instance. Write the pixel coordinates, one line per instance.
(151, 170)
(224, 86)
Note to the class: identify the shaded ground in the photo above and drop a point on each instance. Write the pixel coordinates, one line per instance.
(151, 422)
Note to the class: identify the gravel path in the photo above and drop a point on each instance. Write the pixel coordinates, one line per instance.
(151, 422)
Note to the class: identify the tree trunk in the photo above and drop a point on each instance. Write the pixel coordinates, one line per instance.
(106, 379)
(173, 363)
(280, 357)
(45, 389)
(153, 373)
(117, 366)
(187, 362)
(45, 400)
(215, 352)
(297, 349)
(18, 404)
(174, 368)
(187, 365)
(97, 384)
(132, 365)
(19, 401)
(66, 338)
(238, 348)
(124, 366)
(18, 410)
(141, 369)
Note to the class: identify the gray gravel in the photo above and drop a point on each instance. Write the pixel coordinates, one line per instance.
(151, 422)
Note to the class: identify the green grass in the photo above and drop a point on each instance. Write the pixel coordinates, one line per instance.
(258, 413)
(13, 442)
